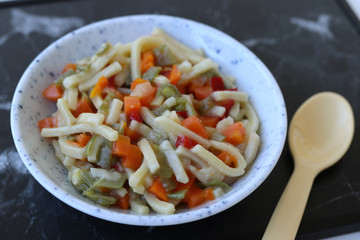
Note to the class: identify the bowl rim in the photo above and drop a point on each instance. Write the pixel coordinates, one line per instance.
(133, 219)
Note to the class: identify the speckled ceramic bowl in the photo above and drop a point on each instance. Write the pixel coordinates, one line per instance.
(28, 107)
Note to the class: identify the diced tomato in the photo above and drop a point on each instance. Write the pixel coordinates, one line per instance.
(182, 114)
(185, 141)
(235, 133)
(217, 84)
(53, 92)
(134, 115)
(228, 159)
(194, 124)
(50, 122)
(210, 121)
(227, 104)
(202, 92)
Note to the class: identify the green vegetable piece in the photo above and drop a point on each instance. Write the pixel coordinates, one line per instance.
(177, 195)
(168, 90)
(164, 57)
(101, 182)
(83, 68)
(205, 105)
(120, 127)
(83, 180)
(63, 76)
(217, 137)
(103, 49)
(105, 106)
(99, 198)
(158, 111)
(151, 73)
(105, 159)
(165, 172)
(92, 148)
(218, 183)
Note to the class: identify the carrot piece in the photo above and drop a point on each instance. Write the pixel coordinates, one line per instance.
(235, 133)
(82, 139)
(133, 159)
(175, 75)
(121, 146)
(73, 143)
(158, 189)
(194, 124)
(50, 122)
(100, 85)
(202, 92)
(134, 136)
(208, 194)
(69, 66)
(131, 103)
(53, 92)
(104, 189)
(195, 83)
(210, 121)
(84, 106)
(123, 202)
(136, 82)
(196, 196)
(228, 159)
(146, 61)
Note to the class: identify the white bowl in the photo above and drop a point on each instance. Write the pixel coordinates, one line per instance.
(28, 107)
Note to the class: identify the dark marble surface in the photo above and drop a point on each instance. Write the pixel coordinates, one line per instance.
(309, 46)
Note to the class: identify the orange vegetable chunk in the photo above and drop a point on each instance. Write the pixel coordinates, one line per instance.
(194, 124)
(50, 122)
(131, 103)
(99, 87)
(158, 189)
(53, 92)
(133, 159)
(235, 133)
(146, 61)
(228, 159)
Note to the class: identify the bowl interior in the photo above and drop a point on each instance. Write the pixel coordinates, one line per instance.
(28, 107)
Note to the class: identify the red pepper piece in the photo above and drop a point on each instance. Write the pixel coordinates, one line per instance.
(185, 141)
(217, 84)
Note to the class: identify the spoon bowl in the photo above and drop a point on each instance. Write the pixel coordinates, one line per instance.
(320, 133)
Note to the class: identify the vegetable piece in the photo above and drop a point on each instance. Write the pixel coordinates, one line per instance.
(165, 172)
(185, 141)
(121, 146)
(60, 80)
(99, 198)
(131, 103)
(210, 121)
(49, 122)
(134, 136)
(92, 148)
(69, 66)
(218, 183)
(205, 105)
(194, 124)
(100, 85)
(202, 92)
(84, 106)
(145, 91)
(53, 92)
(136, 82)
(195, 83)
(228, 159)
(123, 202)
(105, 106)
(235, 133)
(133, 159)
(158, 189)
(195, 196)
(175, 75)
(151, 73)
(82, 139)
(164, 57)
(227, 104)
(134, 115)
(177, 195)
(208, 194)
(168, 90)
(146, 61)
(217, 84)
(105, 159)
(216, 136)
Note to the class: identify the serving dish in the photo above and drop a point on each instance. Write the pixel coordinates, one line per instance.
(234, 59)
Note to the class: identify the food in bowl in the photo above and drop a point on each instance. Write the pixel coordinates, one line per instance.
(151, 123)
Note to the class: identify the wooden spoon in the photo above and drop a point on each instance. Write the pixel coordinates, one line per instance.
(320, 133)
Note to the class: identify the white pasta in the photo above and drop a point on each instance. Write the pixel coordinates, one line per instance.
(91, 118)
(149, 155)
(114, 111)
(158, 205)
(72, 97)
(252, 147)
(198, 69)
(224, 95)
(66, 116)
(70, 149)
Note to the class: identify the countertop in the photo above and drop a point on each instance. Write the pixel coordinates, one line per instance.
(309, 46)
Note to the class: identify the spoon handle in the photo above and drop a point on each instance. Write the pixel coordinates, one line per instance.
(286, 218)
